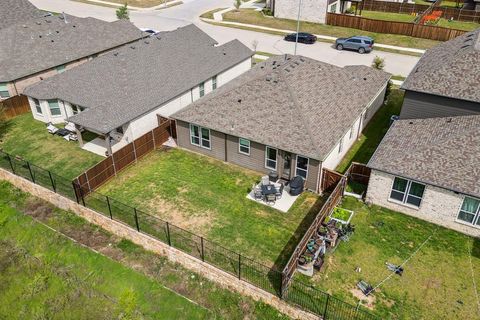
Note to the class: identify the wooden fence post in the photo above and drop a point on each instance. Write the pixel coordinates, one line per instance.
(55, 187)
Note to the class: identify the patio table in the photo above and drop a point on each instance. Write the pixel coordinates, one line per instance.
(268, 189)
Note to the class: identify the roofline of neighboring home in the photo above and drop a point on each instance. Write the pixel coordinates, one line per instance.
(424, 182)
(157, 106)
(438, 95)
(74, 60)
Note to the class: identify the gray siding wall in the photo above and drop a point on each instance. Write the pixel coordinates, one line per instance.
(225, 147)
(418, 105)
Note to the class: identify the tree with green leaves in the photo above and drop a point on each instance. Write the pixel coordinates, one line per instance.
(237, 4)
(122, 12)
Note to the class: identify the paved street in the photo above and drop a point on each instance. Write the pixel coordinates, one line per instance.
(188, 12)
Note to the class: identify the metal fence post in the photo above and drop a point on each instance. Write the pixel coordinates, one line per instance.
(55, 188)
(30, 170)
(239, 266)
(75, 189)
(81, 194)
(168, 235)
(326, 307)
(109, 208)
(136, 219)
(11, 164)
(203, 250)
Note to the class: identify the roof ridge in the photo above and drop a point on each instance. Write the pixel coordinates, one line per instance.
(298, 107)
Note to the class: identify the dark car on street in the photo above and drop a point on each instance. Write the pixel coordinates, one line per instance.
(361, 44)
(303, 37)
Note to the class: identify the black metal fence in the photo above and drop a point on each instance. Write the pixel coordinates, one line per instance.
(298, 293)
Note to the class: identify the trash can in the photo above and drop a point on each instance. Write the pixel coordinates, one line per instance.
(273, 176)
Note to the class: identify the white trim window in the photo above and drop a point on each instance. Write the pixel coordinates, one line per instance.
(407, 192)
(270, 158)
(200, 137)
(4, 91)
(244, 146)
(214, 82)
(38, 108)
(201, 88)
(470, 211)
(54, 107)
(301, 167)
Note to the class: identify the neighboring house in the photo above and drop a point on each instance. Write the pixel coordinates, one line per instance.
(289, 114)
(17, 12)
(43, 47)
(445, 82)
(428, 168)
(118, 95)
(311, 10)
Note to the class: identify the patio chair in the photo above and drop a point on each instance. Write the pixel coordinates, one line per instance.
(279, 191)
(271, 198)
(265, 181)
(70, 126)
(258, 194)
(51, 128)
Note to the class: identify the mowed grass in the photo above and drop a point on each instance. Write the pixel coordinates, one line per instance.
(250, 16)
(44, 275)
(28, 138)
(388, 16)
(223, 303)
(208, 197)
(455, 24)
(372, 135)
(437, 283)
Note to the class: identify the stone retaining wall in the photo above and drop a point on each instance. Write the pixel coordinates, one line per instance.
(218, 276)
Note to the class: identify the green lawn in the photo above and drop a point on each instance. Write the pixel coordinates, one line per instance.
(461, 25)
(388, 16)
(43, 275)
(250, 16)
(208, 197)
(371, 137)
(152, 270)
(437, 283)
(28, 138)
(209, 14)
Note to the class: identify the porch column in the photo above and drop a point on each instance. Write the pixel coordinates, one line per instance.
(108, 144)
(79, 135)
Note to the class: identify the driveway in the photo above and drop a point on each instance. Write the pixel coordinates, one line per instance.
(189, 11)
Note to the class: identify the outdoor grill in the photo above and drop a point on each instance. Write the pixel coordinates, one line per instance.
(296, 186)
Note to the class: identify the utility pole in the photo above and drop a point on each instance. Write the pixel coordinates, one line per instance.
(298, 26)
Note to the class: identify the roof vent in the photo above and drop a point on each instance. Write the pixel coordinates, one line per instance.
(57, 31)
(287, 70)
(269, 78)
(449, 120)
(38, 23)
(52, 40)
(40, 36)
(301, 59)
(158, 37)
(115, 54)
(24, 26)
(147, 42)
(132, 47)
(74, 26)
(365, 79)
(48, 21)
(411, 122)
(239, 100)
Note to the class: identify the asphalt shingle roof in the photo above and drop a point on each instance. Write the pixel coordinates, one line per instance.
(289, 102)
(451, 69)
(17, 11)
(137, 78)
(443, 152)
(45, 43)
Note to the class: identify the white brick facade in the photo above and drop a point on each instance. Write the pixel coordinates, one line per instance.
(439, 206)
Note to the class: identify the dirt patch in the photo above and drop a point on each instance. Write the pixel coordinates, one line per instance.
(38, 209)
(367, 301)
(198, 222)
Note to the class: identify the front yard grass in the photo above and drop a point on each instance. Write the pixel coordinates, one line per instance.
(208, 197)
(371, 137)
(250, 16)
(437, 282)
(28, 138)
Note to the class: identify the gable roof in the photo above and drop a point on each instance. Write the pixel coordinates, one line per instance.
(17, 11)
(451, 69)
(45, 43)
(439, 151)
(289, 102)
(126, 83)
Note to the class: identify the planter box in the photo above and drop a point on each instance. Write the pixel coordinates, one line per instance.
(342, 215)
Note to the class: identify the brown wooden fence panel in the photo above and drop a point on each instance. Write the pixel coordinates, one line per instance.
(123, 157)
(330, 180)
(403, 28)
(143, 145)
(100, 173)
(358, 172)
(15, 106)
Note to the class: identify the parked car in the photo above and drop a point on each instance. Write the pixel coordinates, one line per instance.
(303, 37)
(361, 44)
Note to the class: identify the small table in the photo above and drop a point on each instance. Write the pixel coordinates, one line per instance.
(268, 189)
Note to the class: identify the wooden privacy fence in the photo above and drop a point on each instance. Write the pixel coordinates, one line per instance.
(330, 180)
(402, 28)
(109, 167)
(15, 106)
(358, 172)
(334, 198)
(409, 8)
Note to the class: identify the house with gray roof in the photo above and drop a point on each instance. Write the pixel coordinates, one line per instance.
(289, 114)
(119, 94)
(43, 47)
(445, 82)
(18, 11)
(428, 168)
